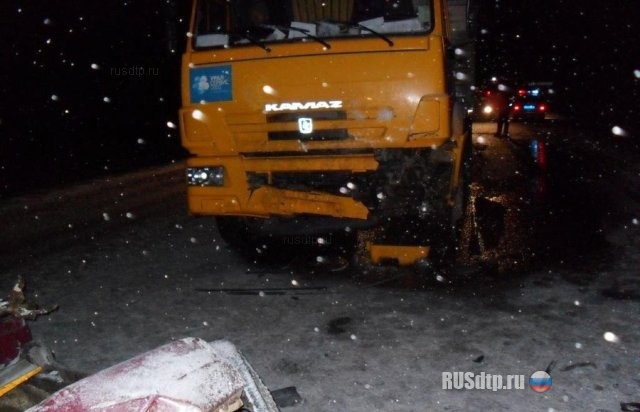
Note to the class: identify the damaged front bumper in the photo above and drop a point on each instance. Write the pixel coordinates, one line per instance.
(263, 186)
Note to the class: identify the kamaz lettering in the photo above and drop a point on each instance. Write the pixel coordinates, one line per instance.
(293, 106)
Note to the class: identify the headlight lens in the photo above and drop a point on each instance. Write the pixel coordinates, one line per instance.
(205, 176)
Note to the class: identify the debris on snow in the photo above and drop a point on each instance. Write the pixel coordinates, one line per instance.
(578, 365)
(479, 359)
(550, 366)
(630, 406)
(17, 305)
(286, 397)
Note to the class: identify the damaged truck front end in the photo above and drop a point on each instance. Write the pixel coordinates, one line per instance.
(337, 116)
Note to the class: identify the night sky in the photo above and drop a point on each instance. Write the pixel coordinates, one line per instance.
(69, 112)
(70, 107)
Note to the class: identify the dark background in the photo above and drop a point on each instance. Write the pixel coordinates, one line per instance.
(40, 144)
(589, 53)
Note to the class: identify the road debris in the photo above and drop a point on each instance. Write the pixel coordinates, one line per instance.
(17, 305)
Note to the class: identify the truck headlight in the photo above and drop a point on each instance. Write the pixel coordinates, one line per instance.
(205, 176)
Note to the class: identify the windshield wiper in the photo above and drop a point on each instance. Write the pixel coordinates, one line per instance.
(253, 41)
(376, 33)
(309, 35)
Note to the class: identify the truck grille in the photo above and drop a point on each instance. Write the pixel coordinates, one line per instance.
(316, 116)
(316, 135)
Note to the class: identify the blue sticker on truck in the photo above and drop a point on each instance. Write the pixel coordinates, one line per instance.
(210, 84)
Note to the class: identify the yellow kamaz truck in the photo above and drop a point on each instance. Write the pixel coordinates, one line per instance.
(305, 117)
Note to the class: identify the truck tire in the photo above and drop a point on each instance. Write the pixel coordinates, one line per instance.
(240, 235)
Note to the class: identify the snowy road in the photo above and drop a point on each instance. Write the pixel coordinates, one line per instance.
(560, 269)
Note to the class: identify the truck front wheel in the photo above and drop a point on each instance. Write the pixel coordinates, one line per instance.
(242, 236)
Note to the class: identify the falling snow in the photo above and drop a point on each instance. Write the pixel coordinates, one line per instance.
(618, 131)
(611, 337)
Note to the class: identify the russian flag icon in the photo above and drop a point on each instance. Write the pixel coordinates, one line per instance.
(540, 381)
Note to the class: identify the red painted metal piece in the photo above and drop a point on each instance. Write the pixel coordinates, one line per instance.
(14, 333)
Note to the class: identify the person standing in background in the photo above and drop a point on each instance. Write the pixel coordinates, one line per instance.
(501, 106)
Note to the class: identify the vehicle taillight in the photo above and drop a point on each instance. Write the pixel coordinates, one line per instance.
(542, 107)
(516, 108)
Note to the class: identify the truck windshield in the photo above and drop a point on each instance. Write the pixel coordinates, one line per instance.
(231, 23)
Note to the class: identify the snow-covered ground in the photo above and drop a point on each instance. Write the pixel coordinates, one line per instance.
(145, 273)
